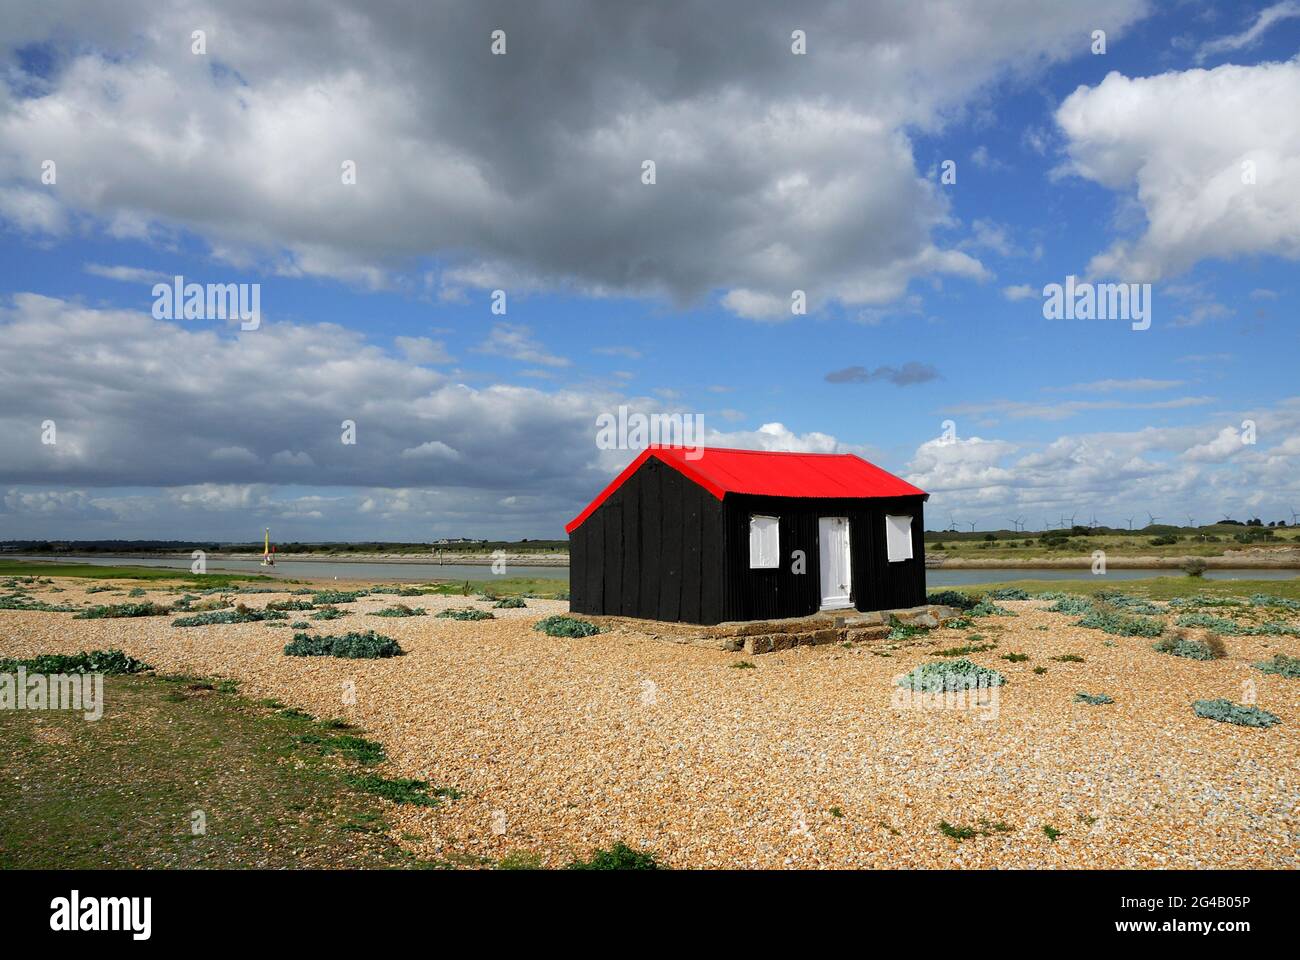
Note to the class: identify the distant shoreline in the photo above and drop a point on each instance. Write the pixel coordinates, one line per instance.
(448, 559)
(1243, 560)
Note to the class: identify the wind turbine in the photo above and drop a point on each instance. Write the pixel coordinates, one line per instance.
(1130, 522)
(952, 522)
(1191, 521)
(1071, 521)
(972, 525)
(1294, 517)
(1226, 517)
(1151, 519)
(1092, 521)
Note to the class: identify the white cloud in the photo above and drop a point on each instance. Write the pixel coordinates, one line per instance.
(1118, 386)
(1020, 291)
(516, 342)
(1181, 143)
(423, 350)
(126, 274)
(1286, 10)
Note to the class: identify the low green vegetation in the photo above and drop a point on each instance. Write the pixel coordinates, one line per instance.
(400, 610)
(964, 650)
(291, 605)
(366, 753)
(559, 625)
(401, 790)
(940, 676)
(240, 614)
(350, 646)
(1015, 657)
(21, 601)
(465, 613)
(1225, 711)
(1180, 644)
(337, 596)
(329, 613)
(510, 603)
(108, 662)
(984, 828)
(1093, 699)
(618, 857)
(119, 610)
(1120, 624)
(1068, 658)
(951, 598)
(1051, 832)
(1282, 665)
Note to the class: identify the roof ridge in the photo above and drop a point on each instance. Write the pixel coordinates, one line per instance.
(762, 453)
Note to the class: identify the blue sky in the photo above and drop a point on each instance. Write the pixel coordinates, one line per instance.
(221, 167)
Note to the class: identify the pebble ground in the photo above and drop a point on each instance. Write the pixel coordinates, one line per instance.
(809, 758)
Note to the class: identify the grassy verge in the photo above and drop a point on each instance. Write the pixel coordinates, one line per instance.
(503, 587)
(93, 571)
(272, 786)
(1155, 588)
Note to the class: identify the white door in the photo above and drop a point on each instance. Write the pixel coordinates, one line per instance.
(837, 573)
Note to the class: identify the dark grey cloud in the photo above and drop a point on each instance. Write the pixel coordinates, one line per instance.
(775, 172)
(911, 372)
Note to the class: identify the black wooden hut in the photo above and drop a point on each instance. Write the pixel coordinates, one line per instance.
(707, 535)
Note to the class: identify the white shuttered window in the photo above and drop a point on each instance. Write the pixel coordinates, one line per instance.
(898, 538)
(764, 542)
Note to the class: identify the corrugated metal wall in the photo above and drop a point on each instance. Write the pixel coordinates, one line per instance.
(653, 550)
(877, 583)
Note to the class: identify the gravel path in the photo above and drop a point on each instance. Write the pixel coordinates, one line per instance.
(809, 759)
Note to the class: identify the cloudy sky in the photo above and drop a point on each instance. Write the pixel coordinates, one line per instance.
(920, 173)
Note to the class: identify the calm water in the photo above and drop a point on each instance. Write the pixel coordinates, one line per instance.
(958, 578)
(379, 570)
(324, 570)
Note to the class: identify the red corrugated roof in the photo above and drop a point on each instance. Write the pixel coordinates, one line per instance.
(721, 471)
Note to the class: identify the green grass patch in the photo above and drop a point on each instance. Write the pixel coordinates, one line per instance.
(510, 603)
(1068, 658)
(179, 774)
(93, 571)
(359, 750)
(1015, 657)
(1051, 832)
(329, 613)
(415, 792)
